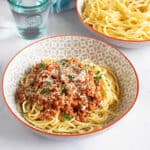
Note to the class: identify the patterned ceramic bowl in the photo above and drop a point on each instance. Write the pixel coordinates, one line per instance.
(82, 48)
(104, 37)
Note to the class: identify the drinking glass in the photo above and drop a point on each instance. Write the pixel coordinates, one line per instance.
(30, 17)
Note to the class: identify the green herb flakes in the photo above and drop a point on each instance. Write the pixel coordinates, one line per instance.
(42, 65)
(45, 91)
(67, 117)
(98, 76)
(49, 81)
(63, 62)
(64, 89)
(71, 77)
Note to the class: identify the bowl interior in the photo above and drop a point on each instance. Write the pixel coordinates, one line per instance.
(82, 48)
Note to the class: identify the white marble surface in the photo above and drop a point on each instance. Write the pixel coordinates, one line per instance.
(133, 131)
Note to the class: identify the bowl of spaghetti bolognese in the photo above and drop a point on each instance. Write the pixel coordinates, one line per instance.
(69, 85)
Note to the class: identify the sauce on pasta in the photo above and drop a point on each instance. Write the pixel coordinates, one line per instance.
(67, 96)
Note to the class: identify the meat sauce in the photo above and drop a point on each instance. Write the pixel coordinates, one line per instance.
(67, 86)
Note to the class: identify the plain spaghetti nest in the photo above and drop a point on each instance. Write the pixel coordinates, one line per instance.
(68, 96)
(121, 19)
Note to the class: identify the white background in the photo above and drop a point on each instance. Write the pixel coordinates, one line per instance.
(131, 133)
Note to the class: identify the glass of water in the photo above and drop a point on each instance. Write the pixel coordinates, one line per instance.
(30, 17)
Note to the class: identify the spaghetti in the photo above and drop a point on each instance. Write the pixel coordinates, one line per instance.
(122, 19)
(68, 96)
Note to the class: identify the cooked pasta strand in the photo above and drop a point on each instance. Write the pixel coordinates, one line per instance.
(122, 19)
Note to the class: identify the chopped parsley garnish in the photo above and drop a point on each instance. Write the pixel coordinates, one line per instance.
(24, 80)
(71, 77)
(78, 88)
(67, 117)
(41, 65)
(63, 86)
(49, 81)
(98, 76)
(86, 68)
(50, 102)
(32, 84)
(33, 91)
(64, 89)
(45, 91)
(93, 66)
(63, 62)
(27, 90)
